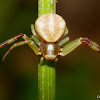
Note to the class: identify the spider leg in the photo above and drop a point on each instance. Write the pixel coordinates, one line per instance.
(70, 46)
(34, 33)
(32, 44)
(62, 42)
(11, 40)
(35, 40)
(65, 33)
(93, 45)
(16, 45)
(74, 44)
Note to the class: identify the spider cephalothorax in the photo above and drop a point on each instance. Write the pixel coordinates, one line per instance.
(49, 30)
(49, 50)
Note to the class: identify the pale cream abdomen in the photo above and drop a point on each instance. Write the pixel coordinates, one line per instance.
(50, 27)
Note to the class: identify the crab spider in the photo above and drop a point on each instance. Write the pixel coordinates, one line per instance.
(45, 41)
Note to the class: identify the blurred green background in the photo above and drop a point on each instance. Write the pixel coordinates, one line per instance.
(78, 73)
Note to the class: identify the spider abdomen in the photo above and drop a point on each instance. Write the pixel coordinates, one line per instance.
(50, 27)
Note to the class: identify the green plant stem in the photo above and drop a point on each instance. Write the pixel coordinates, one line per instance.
(46, 69)
(46, 79)
(46, 6)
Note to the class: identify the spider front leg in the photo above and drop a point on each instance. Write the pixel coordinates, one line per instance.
(11, 40)
(74, 44)
(28, 41)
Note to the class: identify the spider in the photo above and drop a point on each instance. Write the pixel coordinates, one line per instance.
(46, 39)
